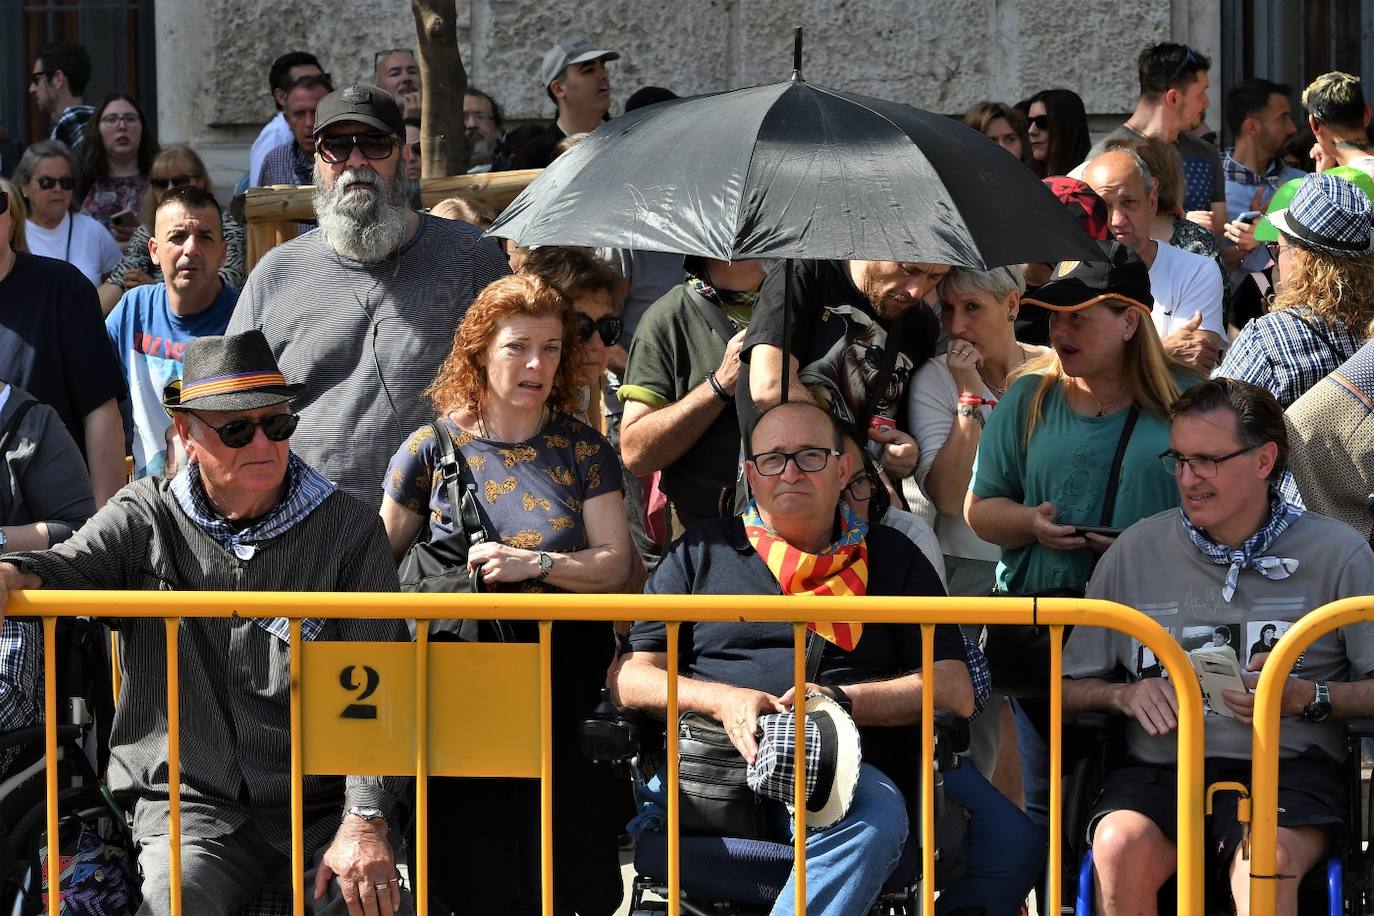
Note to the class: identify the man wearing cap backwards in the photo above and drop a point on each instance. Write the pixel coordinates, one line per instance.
(363, 310)
(244, 515)
(1186, 287)
(796, 537)
(574, 76)
(1243, 560)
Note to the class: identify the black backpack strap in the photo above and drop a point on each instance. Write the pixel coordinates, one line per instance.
(815, 648)
(1114, 480)
(712, 314)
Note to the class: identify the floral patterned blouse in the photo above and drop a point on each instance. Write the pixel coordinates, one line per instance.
(108, 196)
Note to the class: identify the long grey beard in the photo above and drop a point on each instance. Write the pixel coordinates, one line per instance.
(480, 150)
(365, 226)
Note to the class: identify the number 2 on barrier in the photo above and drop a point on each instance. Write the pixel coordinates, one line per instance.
(359, 709)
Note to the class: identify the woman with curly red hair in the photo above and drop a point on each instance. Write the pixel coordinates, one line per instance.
(547, 488)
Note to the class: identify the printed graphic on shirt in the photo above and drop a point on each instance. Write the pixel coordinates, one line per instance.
(851, 346)
(1261, 637)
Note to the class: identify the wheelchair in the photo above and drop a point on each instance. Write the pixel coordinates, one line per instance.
(731, 876)
(1344, 886)
(89, 818)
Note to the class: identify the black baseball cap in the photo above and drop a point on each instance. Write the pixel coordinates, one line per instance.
(370, 105)
(1075, 285)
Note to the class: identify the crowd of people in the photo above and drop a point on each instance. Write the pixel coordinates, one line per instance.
(1180, 425)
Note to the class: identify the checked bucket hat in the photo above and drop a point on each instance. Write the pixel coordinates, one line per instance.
(833, 756)
(1328, 214)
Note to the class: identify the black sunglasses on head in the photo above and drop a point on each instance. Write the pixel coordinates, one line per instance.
(176, 181)
(47, 182)
(238, 433)
(338, 148)
(609, 328)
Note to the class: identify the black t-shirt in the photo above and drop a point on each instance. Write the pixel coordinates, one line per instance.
(715, 557)
(53, 342)
(839, 340)
(538, 153)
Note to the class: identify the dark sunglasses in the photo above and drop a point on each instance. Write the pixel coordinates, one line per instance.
(1189, 58)
(609, 328)
(415, 148)
(1040, 122)
(240, 432)
(47, 182)
(338, 148)
(4, 203)
(176, 181)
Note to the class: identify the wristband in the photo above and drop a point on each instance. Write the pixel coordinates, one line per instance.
(716, 386)
(970, 411)
(976, 400)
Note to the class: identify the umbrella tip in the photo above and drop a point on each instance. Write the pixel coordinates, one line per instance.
(797, 54)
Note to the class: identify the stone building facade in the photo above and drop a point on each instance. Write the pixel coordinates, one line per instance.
(943, 55)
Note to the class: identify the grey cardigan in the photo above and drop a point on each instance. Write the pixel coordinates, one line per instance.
(44, 477)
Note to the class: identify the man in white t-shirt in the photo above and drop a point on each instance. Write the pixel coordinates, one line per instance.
(285, 71)
(1186, 286)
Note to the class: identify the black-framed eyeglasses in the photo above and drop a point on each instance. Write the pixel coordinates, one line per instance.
(1040, 122)
(47, 182)
(128, 119)
(237, 433)
(38, 75)
(1203, 467)
(609, 327)
(338, 148)
(860, 488)
(808, 460)
(176, 181)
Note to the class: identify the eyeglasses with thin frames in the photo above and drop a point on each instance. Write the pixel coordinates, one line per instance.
(808, 460)
(38, 75)
(128, 119)
(1203, 467)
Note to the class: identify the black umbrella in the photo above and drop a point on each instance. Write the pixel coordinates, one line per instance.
(794, 170)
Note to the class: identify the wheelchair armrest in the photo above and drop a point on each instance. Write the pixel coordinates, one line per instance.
(34, 735)
(1093, 721)
(1360, 728)
(951, 736)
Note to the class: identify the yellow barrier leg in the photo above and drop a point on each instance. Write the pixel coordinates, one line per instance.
(799, 751)
(674, 825)
(174, 760)
(420, 880)
(927, 768)
(546, 762)
(298, 889)
(50, 756)
(1056, 864)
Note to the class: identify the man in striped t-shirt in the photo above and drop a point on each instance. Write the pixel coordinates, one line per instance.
(363, 309)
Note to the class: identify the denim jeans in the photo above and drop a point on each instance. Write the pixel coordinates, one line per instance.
(846, 863)
(1004, 852)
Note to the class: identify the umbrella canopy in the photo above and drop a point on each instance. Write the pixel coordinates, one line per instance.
(794, 170)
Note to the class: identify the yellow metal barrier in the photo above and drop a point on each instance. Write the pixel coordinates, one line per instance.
(1264, 781)
(433, 753)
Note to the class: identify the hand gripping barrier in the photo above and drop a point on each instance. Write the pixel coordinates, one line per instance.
(392, 708)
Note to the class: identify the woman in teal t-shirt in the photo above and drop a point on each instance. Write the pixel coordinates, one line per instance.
(1045, 459)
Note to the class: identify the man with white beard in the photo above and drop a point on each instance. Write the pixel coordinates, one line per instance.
(363, 309)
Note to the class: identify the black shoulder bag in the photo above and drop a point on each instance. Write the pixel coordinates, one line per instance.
(442, 565)
(1018, 654)
(714, 797)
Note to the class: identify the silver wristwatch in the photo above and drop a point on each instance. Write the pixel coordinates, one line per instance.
(545, 566)
(4, 541)
(366, 812)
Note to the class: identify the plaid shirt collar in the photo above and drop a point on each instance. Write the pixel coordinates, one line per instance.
(1241, 174)
(306, 489)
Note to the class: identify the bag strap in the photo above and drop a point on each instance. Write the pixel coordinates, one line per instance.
(1114, 480)
(1319, 330)
(451, 465)
(815, 647)
(712, 314)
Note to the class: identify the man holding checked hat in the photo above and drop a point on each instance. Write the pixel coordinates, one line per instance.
(797, 538)
(245, 514)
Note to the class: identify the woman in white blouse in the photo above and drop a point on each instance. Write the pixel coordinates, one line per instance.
(950, 401)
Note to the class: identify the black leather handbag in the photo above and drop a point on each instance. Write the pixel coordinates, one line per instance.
(442, 565)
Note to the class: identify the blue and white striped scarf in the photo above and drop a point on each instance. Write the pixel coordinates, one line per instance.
(306, 488)
(1249, 555)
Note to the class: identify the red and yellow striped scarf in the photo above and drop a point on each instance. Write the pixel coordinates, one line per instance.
(840, 569)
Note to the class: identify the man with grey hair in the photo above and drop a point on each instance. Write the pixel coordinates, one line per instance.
(1186, 286)
(363, 309)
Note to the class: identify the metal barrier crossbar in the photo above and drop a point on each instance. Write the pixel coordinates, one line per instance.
(1056, 613)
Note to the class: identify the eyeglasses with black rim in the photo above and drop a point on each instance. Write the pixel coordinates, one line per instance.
(338, 148)
(609, 327)
(808, 460)
(861, 488)
(1203, 466)
(38, 75)
(237, 433)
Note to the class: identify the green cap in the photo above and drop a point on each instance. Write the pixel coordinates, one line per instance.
(1265, 231)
